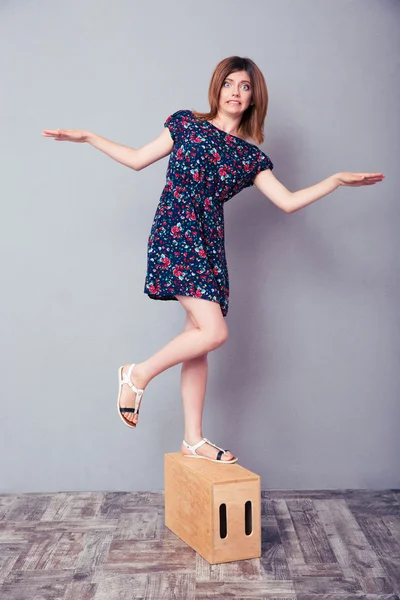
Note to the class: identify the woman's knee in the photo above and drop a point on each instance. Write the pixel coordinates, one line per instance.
(206, 316)
(218, 335)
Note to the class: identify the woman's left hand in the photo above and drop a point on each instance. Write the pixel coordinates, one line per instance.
(357, 179)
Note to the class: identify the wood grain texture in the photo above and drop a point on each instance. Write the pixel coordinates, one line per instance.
(316, 545)
(194, 493)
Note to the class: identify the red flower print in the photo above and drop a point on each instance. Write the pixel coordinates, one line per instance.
(177, 272)
(176, 230)
(192, 216)
(222, 172)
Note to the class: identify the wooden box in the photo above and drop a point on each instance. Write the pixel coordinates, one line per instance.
(214, 508)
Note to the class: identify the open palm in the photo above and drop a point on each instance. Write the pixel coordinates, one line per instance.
(357, 179)
(66, 135)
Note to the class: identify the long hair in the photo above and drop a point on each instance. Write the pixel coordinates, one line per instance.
(252, 123)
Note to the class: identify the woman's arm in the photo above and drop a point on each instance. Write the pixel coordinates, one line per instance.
(290, 202)
(136, 159)
(311, 194)
(133, 158)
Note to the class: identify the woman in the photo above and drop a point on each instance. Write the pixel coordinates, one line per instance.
(211, 160)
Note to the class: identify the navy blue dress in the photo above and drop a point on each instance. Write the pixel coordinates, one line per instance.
(186, 245)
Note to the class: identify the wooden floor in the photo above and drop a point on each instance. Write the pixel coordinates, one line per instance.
(336, 545)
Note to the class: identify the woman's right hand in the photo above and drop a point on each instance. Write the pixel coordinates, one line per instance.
(67, 135)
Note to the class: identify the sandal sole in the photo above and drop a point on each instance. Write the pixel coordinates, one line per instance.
(130, 425)
(225, 462)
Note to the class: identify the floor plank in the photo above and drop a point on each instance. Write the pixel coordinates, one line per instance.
(316, 545)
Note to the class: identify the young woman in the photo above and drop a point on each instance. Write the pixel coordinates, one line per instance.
(211, 160)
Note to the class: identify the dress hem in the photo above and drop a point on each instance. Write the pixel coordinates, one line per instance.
(173, 297)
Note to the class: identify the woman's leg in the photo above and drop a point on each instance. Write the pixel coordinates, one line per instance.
(210, 333)
(193, 389)
(194, 373)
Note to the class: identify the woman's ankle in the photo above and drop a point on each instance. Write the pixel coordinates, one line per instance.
(193, 438)
(140, 376)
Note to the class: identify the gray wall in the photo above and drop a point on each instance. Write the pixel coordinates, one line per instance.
(305, 391)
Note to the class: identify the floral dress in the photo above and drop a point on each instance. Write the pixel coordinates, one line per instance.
(186, 245)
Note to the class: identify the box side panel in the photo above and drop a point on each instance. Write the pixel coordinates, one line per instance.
(188, 506)
(237, 543)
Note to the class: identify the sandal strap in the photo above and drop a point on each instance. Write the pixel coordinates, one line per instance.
(130, 371)
(131, 410)
(195, 446)
(205, 441)
(218, 448)
(127, 379)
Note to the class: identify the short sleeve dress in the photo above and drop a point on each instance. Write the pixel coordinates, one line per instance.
(186, 245)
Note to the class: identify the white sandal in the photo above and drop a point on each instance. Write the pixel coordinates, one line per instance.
(206, 441)
(123, 378)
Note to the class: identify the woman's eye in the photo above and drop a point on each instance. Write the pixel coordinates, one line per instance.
(245, 85)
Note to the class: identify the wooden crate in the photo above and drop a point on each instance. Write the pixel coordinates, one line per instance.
(214, 508)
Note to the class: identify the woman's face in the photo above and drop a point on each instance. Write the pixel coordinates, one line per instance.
(236, 93)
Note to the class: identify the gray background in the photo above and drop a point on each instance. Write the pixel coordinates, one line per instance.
(305, 391)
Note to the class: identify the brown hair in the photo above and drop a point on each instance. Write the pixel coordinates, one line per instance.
(252, 123)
